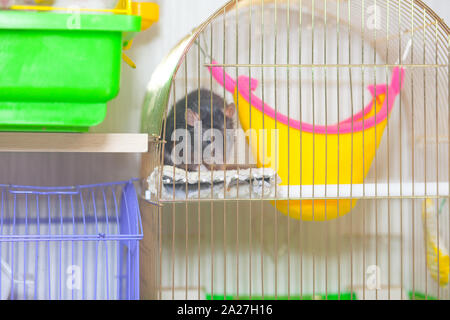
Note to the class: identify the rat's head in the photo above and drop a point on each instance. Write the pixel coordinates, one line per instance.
(217, 122)
(211, 110)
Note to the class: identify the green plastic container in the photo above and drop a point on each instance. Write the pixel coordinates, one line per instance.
(58, 71)
(333, 296)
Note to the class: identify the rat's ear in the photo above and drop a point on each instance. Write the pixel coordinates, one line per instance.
(230, 110)
(191, 117)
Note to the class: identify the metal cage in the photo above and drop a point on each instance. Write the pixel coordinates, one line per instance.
(70, 243)
(364, 193)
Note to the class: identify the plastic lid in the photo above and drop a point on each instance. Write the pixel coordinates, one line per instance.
(23, 20)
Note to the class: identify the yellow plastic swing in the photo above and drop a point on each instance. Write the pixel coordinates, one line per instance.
(313, 149)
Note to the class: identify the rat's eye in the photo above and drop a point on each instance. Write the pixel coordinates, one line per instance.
(206, 145)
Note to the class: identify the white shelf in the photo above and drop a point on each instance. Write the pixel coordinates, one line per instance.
(73, 142)
(368, 190)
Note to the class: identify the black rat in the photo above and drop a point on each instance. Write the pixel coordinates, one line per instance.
(213, 112)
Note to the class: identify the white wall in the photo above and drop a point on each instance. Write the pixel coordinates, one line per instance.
(441, 7)
(177, 18)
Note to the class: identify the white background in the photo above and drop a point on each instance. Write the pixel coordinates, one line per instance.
(178, 17)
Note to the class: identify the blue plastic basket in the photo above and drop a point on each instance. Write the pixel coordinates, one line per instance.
(66, 243)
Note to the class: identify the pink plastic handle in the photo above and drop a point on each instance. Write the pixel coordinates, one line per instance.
(356, 123)
(219, 75)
